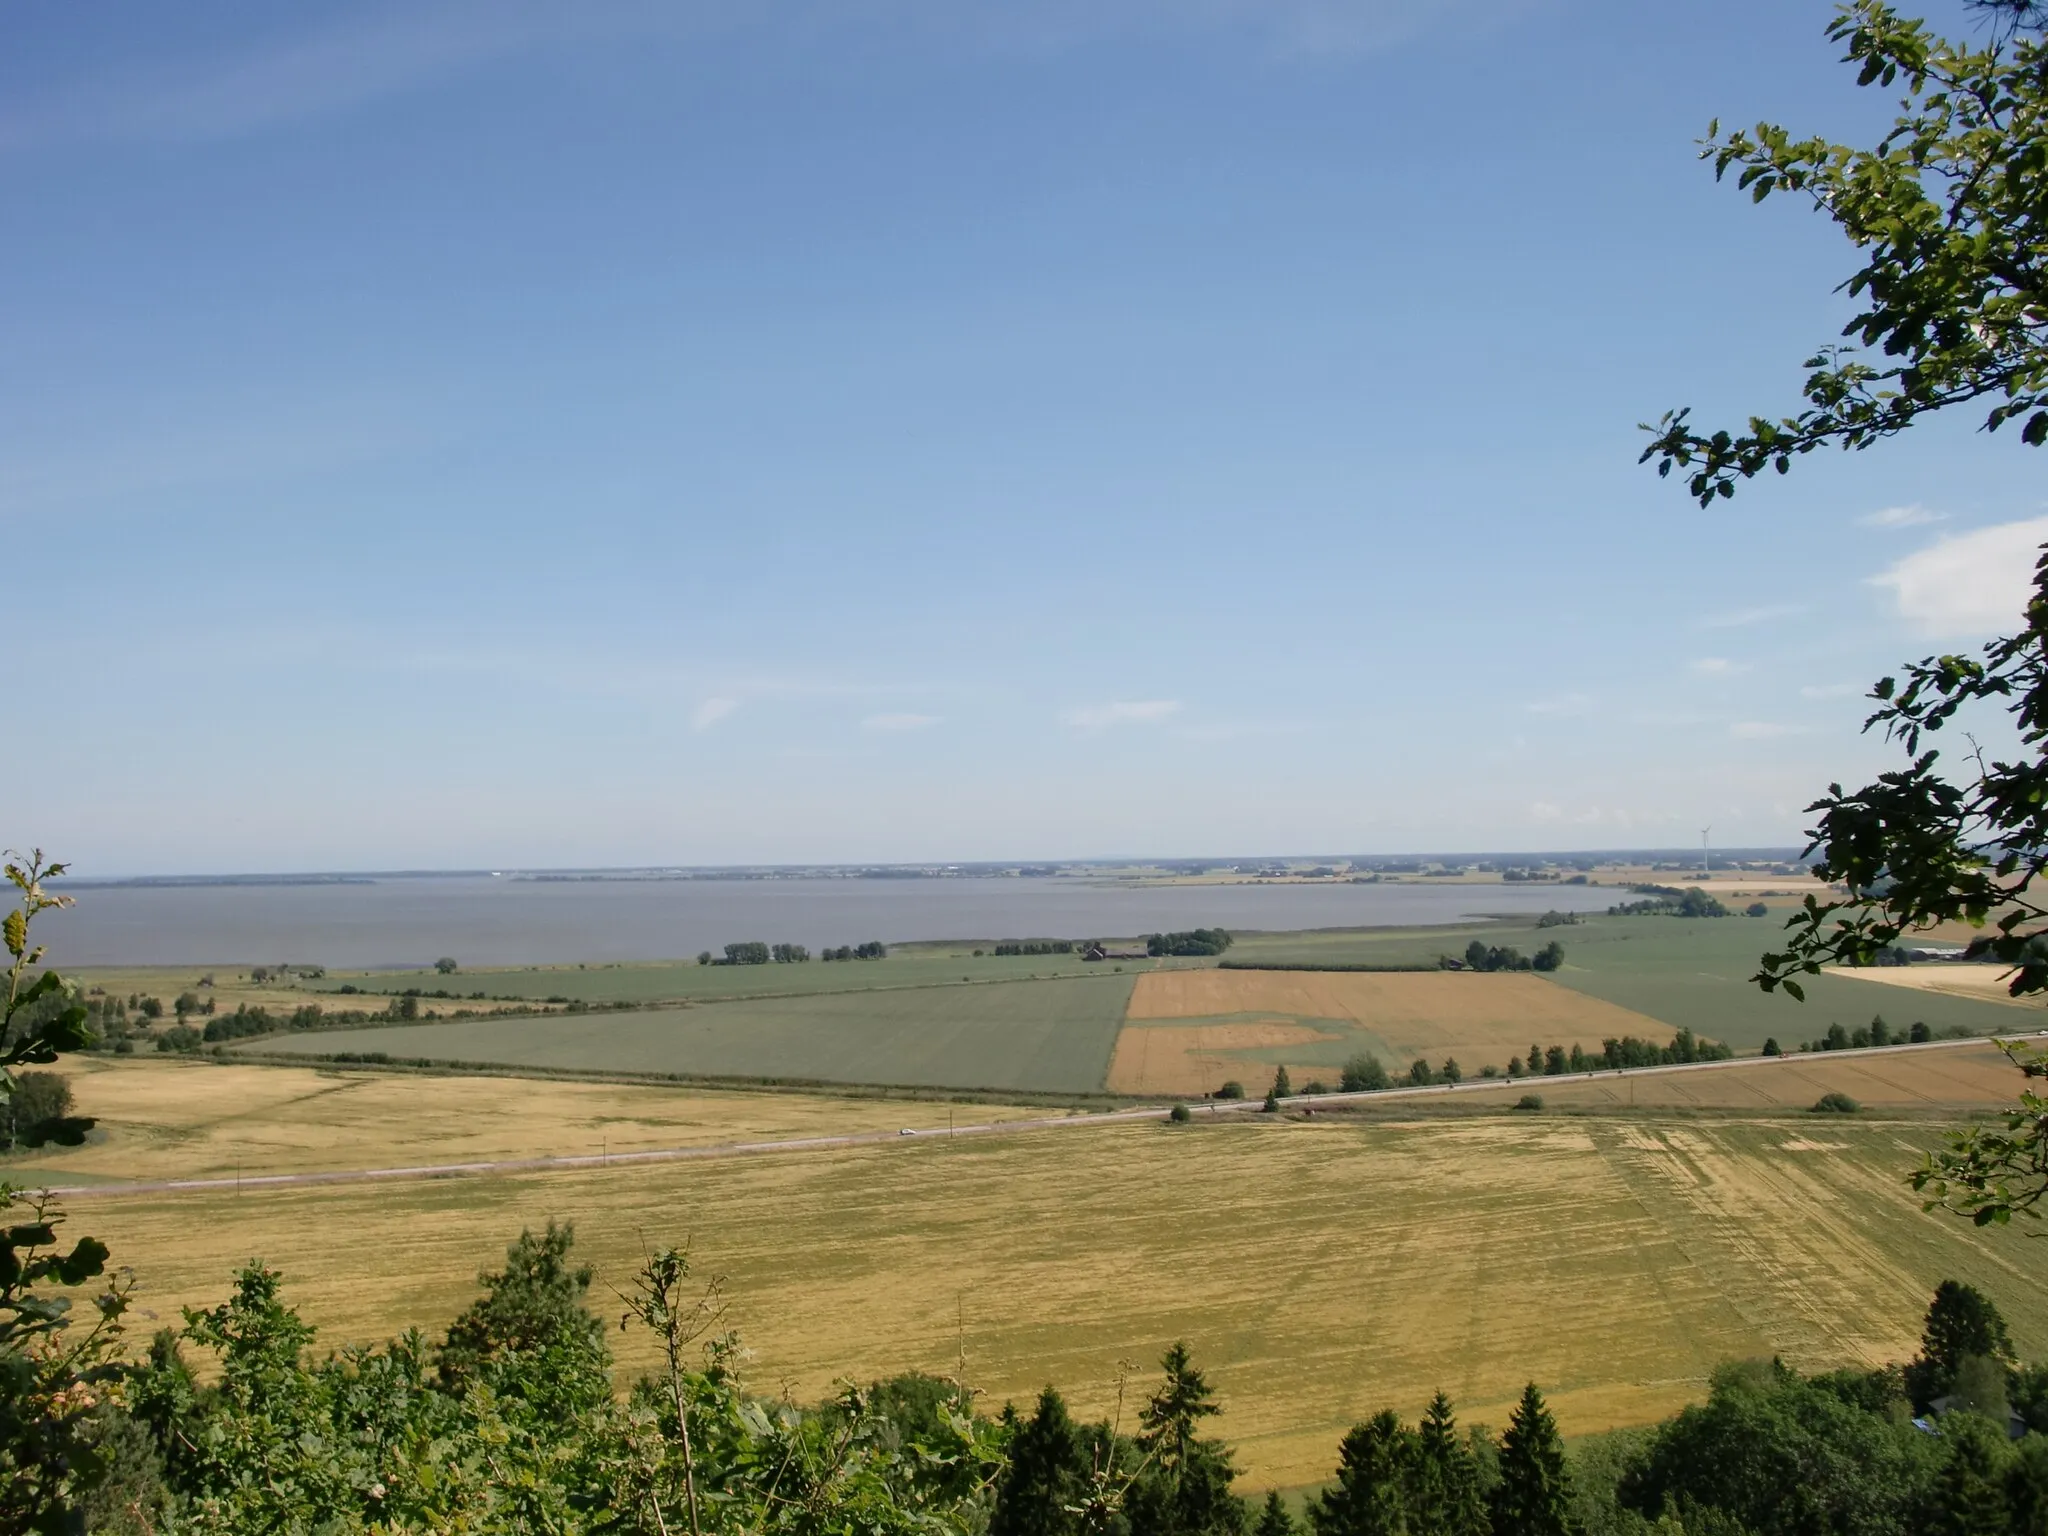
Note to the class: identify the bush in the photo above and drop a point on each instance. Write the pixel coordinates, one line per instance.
(1363, 1073)
(1231, 1090)
(39, 1098)
(445, 965)
(1835, 1104)
(1756, 909)
(1530, 1101)
(179, 1037)
(1179, 1114)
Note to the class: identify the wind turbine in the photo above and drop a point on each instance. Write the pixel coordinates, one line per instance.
(1705, 866)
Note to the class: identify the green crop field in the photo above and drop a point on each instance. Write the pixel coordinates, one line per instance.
(909, 965)
(1047, 1036)
(1689, 972)
(1695, 972)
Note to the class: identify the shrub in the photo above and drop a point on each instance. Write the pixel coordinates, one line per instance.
(1363, 1073)
(1179, 1114)
(1231, 1090)
(179, 1037)
(445, 965)
(1530, 1101)
(1835, 1104)
(1756, 909)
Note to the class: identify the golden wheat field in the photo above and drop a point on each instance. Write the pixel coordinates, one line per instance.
(164, 1118)
(1321, 1269)
(1400, 1014)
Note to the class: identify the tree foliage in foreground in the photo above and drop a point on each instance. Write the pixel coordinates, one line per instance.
(1949, 211)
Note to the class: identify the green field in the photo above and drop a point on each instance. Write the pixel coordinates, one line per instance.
(1682, 972)
(1046, 1036)
(909, 965)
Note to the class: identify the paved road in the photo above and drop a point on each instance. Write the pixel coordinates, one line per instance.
(1204, 1109)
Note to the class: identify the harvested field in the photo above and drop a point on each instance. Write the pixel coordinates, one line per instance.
(162, 1118)
(1192, 1059)
(1983, 983)
(1952, 1079)
(1319, 1270)
(1401, 1015)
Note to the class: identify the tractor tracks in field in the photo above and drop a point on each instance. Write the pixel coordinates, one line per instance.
(1202, 1110)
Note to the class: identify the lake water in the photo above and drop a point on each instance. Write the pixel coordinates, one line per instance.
(487, 921)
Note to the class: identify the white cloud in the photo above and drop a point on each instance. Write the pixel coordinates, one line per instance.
(1741, 618)
(1718, 666)
(898, 722)
(710, 712)
(1829, 690)
(1763, 730)
(1973, 584)
(1902, 517)
(1562, 704)
(1095, 717)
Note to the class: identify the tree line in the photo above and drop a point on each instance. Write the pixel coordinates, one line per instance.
(1034, 947)
(1481, 956)
(1195, 941)
(758, 952)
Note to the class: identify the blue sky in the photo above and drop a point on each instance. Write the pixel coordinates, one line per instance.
(520, 433)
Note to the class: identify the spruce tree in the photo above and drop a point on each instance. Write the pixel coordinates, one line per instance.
(1533, 1497)
(1047, 1476)
(1283, 1086)
(1274, 1519)
(1370, 1497)
(1185, 1488)
(1444, 1491)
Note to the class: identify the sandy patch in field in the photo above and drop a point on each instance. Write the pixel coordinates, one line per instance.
(1479, 1019)
(1980, 983)
(1174, 1059)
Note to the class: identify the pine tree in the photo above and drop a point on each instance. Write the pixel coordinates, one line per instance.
(1370, 1497)
(1274, 1519)
(1185, 1489)
(1283, 1086)
(1534, 1494)
(1444, 1491)
(1047, 1476)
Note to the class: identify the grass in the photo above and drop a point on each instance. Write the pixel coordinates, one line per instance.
(1048, 1036)
(1319, 1269)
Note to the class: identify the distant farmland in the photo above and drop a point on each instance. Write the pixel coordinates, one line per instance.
(1049, 1036)
(1189, 1030)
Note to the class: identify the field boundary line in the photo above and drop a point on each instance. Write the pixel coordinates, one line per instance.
(1208, 1109)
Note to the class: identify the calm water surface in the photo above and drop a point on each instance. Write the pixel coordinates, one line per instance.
(486, 921)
